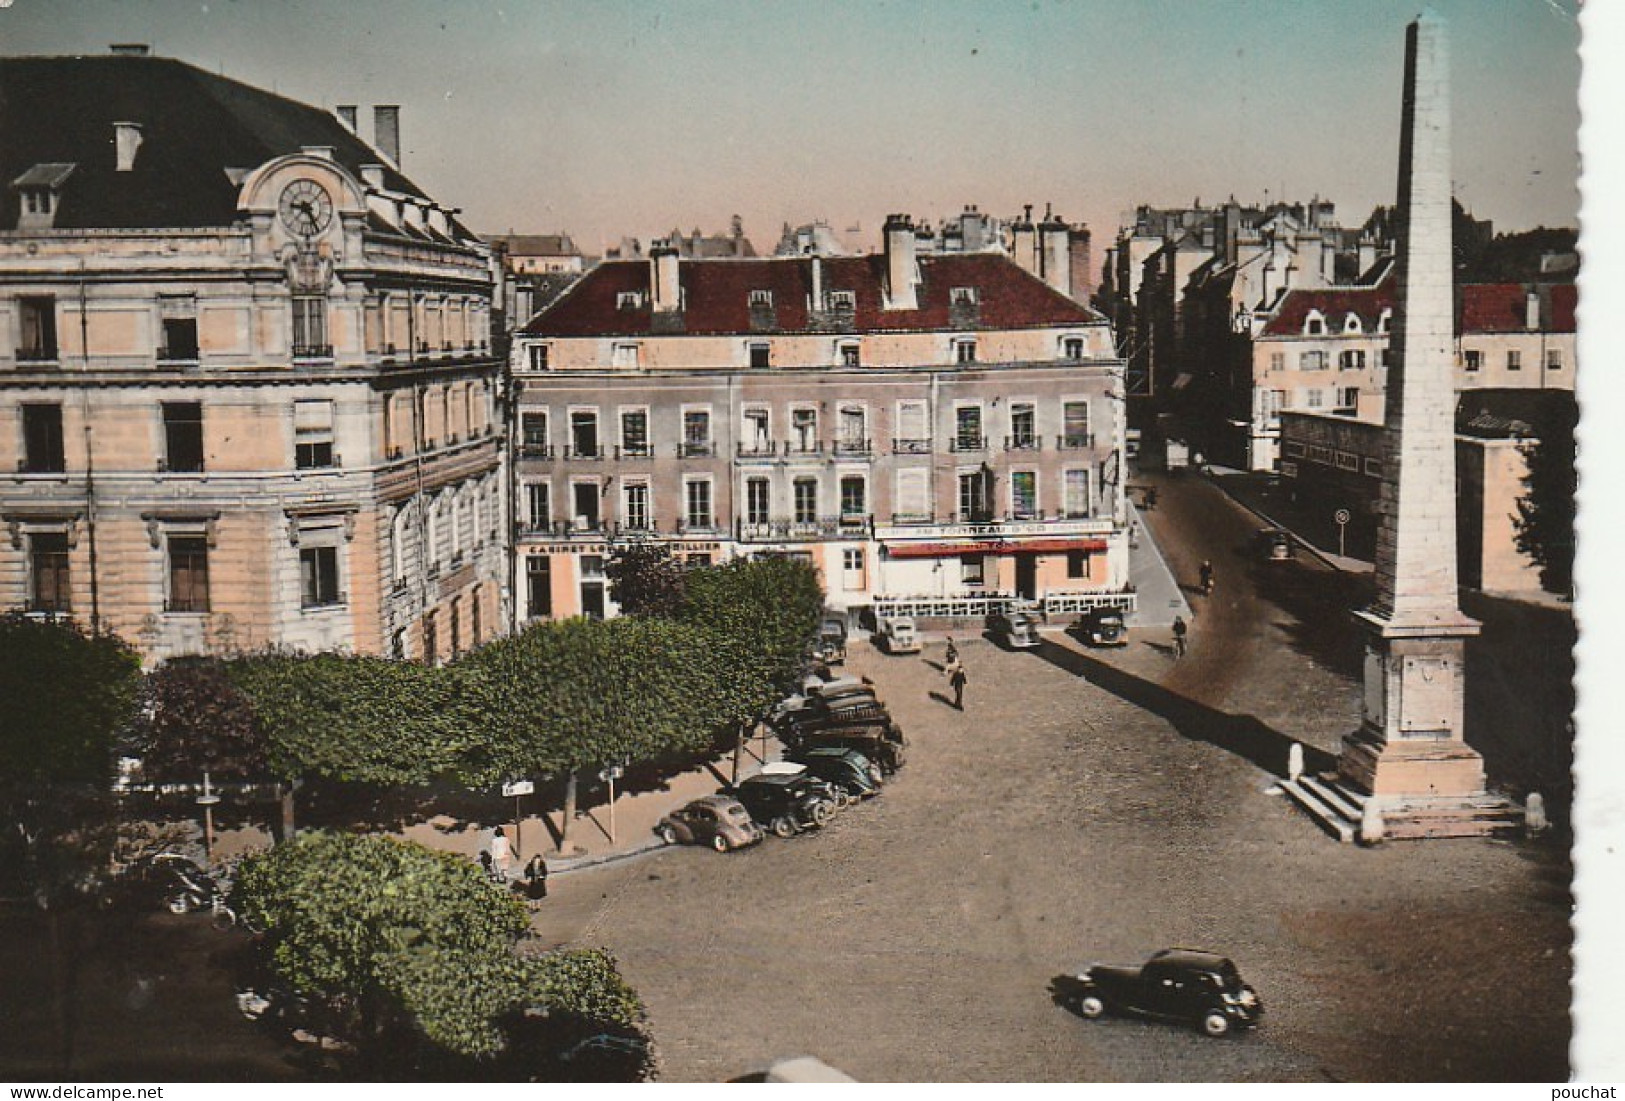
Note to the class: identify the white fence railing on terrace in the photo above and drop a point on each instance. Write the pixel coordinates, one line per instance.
(981, 605)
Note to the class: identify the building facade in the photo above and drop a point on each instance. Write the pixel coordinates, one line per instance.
(921, 428)
(245, 371)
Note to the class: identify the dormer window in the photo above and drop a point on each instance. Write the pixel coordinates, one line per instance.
(1385, 320)
(846, 301)
(760, 299)
(963, 296)
(628, 300)
(1351, 324)
(1314, 324)
(39, 194)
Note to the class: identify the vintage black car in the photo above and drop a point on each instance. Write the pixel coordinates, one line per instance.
(831, 645)
(786, 804)
(1102, 627)
(1175, 984)
(847, 769)
(880, 740)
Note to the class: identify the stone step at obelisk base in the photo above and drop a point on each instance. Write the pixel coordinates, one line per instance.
(1345, 812)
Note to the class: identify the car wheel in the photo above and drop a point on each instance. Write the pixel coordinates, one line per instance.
(668, 834)
(1215, 1023)
(180, 904)
(784, 826)
(719, 843)
(823, 812)
(1091, 1006)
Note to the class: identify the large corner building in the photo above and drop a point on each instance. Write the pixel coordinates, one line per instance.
(245, 371)
(938, 434)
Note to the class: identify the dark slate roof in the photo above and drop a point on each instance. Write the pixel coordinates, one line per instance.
(194, 126)
(1334, 303)
(717, 294)
(1503, 307)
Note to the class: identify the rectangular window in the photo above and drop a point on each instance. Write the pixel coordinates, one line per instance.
(913, 434)
(1350, 397)
(1514, 360)
(854, 497)
(853, 429)
(970, 570)
(584, 433)
(538, 357)
(188, 573)
(312, 434)
(532, 433)
(37, 335)
(852, 569)
(180, 340)
(1075, 424)
(968, 428)
(310, 326)
(962, 296)
(183, 436)
(761, 298)
(635, 505)
(43, 451)
(843, 301)
(1314, 398)
(1473, 359)
(806, 500)
(757, 438)
(1077, 494)
(761, 356)
(1024, 494)
(1277, 361)
(624, 356)
(628, 300)
(697, 503)
(975, 507)
(538, 586)
(50, 590)
(913, 494)
(318, 576)
(1312, 361)
(804, 429)
(538, 506)
(635, 432)
(850, 354)
(1351, 360)
(1023, 426)
(758, 500)
(696, 431)
(1077, 565)
(584, 500)
(964, 351)
(1072, 347)
(1554, 359)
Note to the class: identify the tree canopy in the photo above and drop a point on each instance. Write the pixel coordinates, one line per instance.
(644, 579)
(1544, 524)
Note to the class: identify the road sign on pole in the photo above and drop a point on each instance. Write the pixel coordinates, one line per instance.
(1342, 518)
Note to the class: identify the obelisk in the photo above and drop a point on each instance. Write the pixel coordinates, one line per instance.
(1410, 742)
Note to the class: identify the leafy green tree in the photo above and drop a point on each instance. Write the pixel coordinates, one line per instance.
(1544, 524)
(644, 579)
(384, 931)
(195, 720)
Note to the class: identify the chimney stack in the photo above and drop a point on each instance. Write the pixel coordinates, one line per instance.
(1055, 254)
(1531, 311)
(665, 291)
(1023, 242)
(126, 140)
(817, 274)
(900, 266)
(347, 115)
(386, 124)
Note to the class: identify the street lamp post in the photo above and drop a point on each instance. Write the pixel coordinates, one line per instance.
(207, 801)
(610, 774)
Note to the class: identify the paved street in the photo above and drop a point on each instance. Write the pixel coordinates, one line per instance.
(1090, 806)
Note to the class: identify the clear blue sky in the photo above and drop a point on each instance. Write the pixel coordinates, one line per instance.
(631, 116)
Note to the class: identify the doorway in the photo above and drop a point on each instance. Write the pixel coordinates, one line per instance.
(1027, 576)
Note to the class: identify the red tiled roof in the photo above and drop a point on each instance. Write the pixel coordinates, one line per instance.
(1334, 303)
(716, 297)
(1502, 307)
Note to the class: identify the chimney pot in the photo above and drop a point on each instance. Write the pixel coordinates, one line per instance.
(386, 123)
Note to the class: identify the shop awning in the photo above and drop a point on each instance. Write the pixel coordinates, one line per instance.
(994, 546)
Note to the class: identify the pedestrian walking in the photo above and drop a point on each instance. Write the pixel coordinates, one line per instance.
(501, 855)
(536, 878)
(956, 681)
(1207, 577)
(1179, 636)
(950, 656)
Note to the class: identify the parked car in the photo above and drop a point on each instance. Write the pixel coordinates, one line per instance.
(898, 635)
(1103, 627)
(166, 879)
(831, 645)
(1017, 629)
(786, 804)
(854, 700)
(715, 820)
(1175, 984)
(847, 769)
(1274, 544)
(881, 742)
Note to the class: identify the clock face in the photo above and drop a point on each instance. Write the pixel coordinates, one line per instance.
(305, 207)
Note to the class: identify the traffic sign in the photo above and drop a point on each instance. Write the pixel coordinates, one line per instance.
(519, 787)
(1341, 516)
